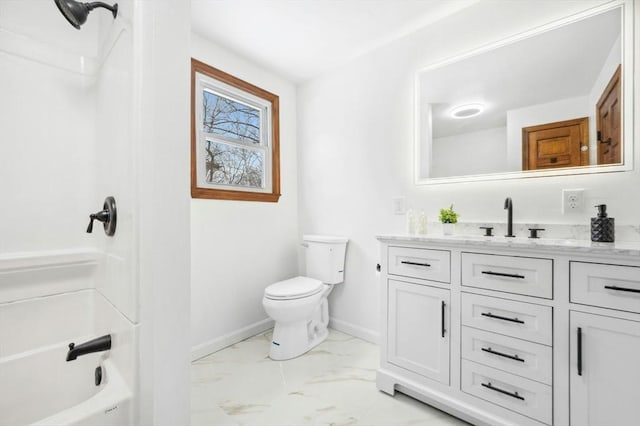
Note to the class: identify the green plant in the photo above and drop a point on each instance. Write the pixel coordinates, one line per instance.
(448, 215)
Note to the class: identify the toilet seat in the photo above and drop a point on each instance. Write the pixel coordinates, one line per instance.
(293, 288)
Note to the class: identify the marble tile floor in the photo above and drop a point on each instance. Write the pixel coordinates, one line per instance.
(333, 384)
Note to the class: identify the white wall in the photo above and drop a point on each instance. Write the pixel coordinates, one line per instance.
(356, 133)
(483, 151)
(533, 115)
(161, 157)
(46, 130)
(239, 247)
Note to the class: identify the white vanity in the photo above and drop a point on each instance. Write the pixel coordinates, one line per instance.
(503, 331)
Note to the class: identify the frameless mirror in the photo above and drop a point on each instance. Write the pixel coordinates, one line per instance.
(544, 103)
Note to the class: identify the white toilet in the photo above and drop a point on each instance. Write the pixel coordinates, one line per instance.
(299, 305)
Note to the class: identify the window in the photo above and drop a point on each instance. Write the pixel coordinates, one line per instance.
(235, 151)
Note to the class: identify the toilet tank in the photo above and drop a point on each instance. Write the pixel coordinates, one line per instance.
(325, 257)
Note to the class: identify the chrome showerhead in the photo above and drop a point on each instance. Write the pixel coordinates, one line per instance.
(76, 13)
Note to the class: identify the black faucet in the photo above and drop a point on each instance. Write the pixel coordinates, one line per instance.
(98, 344)
(508, 205)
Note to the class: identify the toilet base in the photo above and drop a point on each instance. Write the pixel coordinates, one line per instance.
(294, 339)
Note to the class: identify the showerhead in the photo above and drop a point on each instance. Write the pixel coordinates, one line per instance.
(76, 12)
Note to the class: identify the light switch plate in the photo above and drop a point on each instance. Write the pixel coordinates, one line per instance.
(398, 205)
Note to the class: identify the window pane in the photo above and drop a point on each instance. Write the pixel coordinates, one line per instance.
(231, 119)
(232, 165)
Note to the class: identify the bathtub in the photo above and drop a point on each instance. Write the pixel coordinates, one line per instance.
(39, 387)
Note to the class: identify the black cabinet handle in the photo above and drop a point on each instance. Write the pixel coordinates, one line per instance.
(513, 357)
(493, 388)
(442, 329)
(616, 288)
(406, 262)
(502, 274)
(579, 351)
(490, 315)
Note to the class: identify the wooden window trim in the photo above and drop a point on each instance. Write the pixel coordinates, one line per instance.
(227, 194)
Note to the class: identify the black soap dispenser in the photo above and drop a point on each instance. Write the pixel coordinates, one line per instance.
(602, 227)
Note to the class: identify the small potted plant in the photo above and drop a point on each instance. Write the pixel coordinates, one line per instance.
(449, 218)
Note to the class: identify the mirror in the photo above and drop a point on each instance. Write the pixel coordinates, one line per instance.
(544, 103)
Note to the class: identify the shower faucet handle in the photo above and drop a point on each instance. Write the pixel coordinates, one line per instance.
(108, 216)
(102, 216)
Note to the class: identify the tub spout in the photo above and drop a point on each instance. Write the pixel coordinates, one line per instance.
(98, 344)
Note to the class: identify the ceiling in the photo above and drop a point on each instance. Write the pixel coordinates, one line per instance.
(301, 39)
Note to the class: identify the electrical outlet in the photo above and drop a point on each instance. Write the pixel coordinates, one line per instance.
(572, 200)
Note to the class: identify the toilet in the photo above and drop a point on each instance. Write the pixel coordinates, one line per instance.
(299, 305)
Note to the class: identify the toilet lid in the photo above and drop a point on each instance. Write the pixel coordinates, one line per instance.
(293, 288)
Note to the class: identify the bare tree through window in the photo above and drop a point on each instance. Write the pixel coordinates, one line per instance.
(226, 163)
(235, 150)
(231, 165)
(226, 117)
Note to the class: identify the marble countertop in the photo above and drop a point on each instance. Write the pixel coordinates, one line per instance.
(554, 244)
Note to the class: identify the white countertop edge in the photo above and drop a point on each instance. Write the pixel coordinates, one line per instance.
(562, 245)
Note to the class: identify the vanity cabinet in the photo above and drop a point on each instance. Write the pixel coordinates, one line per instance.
(488, 331)
(418, 322)
(604, 371)
(604, 349)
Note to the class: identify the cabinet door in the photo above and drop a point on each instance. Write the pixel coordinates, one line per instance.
(605, 371)
(418, 332)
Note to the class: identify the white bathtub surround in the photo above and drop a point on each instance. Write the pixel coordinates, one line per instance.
(26, 275)
(332, 384)
(35, 367)
(112, 404)
(103, 134)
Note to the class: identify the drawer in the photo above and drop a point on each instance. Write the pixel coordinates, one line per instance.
(529, 398)
(523, 358)
(517, 319)
(427, 264)
(530, 276)
(608, 286)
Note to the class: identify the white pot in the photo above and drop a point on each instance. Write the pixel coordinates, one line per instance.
(447, 228)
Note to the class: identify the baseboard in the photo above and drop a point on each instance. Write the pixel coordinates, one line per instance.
(355, 330)
(229, 339)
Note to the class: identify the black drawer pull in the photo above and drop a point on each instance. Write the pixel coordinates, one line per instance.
(406, 262)
(616, 288)
(502, 274)
(513, 395)
(579, 351)
(442, 329)
(490, 315)
(513, 357)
